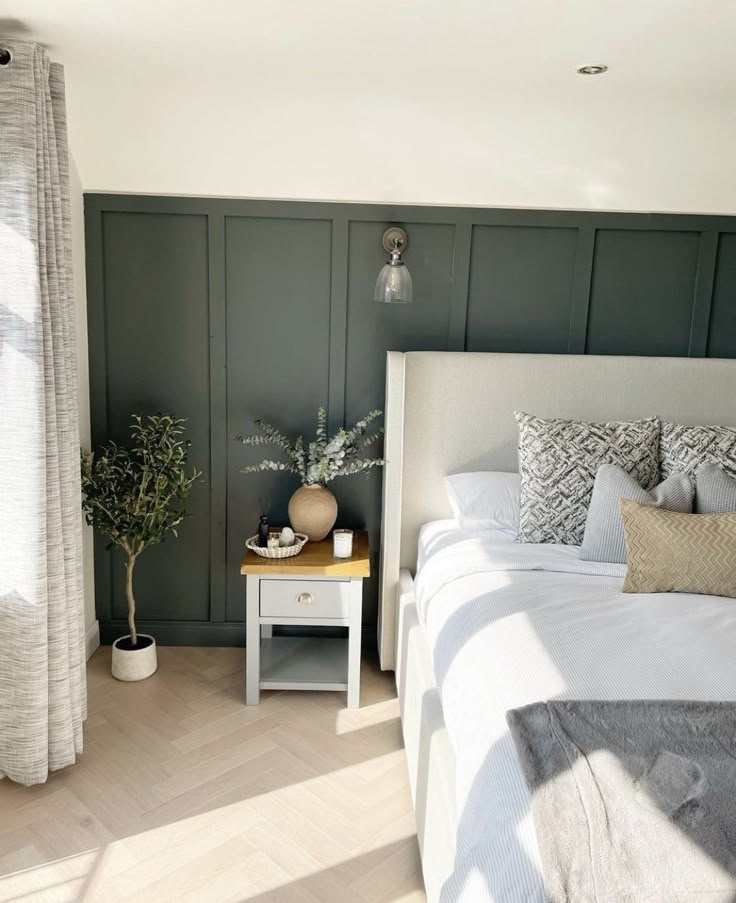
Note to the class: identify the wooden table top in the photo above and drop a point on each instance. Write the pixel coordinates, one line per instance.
(314, 560)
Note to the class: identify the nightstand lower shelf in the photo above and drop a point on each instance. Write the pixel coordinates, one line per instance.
(304, 663)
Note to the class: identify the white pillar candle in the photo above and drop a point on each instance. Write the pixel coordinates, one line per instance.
(342, 543)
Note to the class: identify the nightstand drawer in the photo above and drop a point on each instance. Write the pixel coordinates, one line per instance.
(305, 598)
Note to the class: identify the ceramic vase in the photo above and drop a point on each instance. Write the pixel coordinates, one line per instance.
(313, 510)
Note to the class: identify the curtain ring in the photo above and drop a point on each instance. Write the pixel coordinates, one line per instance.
(6, 57)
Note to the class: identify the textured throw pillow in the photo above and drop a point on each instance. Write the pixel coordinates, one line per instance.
(558, 461)
(604, 530)
(715, 491)
(487, 500)
(679, 553)
(689, 447)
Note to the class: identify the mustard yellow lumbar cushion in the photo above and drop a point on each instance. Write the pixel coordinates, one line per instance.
(678, 553)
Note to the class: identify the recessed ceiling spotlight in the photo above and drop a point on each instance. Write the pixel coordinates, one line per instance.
(593, 69)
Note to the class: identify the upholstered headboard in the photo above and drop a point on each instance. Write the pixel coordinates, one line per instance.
(452, 412)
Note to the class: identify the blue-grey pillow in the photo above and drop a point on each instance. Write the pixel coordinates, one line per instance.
(715, 491)
(604, 539)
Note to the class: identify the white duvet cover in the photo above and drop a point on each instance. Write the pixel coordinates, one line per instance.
(511, 624)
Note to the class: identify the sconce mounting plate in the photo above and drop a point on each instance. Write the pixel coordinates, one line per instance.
(390, 235)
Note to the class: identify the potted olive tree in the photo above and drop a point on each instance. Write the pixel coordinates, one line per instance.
(134, 496)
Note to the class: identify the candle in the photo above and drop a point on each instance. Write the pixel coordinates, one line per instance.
(342, 543)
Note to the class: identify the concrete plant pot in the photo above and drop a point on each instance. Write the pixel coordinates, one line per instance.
(134, 662)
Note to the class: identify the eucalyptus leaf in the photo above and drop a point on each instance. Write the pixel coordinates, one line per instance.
(322, 459)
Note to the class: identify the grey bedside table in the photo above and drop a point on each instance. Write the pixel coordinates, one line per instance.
(311, 589)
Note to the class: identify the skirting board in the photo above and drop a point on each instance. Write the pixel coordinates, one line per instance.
(207, 633)
(92, 639)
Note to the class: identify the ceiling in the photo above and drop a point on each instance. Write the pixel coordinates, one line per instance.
(460, 101)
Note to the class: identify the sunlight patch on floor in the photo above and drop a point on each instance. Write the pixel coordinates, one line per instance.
(223, 860)
(186, 795)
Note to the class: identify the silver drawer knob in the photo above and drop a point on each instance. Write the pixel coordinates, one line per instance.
(305, 598)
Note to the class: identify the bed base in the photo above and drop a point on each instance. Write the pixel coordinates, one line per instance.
(430, 756)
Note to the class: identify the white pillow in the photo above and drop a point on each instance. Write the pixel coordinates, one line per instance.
(488, 500)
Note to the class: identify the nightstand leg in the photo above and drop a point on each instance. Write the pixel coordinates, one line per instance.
(252, 641)
(354, 643)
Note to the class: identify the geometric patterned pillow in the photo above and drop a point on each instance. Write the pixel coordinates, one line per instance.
(558, 463)
(685, 448)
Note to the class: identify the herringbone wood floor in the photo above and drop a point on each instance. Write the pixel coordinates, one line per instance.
(185, 794)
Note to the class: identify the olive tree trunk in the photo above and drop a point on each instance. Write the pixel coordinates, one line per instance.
(129, 565)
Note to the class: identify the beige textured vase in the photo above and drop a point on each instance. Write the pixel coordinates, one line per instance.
(313, 510)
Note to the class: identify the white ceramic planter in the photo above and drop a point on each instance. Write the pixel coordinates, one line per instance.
(134, 664)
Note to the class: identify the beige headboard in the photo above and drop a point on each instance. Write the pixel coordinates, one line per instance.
(452, 412)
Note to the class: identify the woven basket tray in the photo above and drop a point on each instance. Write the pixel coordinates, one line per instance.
(280, 551)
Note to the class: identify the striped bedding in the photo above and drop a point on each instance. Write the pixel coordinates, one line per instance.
(511, 624)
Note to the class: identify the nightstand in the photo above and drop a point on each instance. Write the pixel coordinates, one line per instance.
(312, 589)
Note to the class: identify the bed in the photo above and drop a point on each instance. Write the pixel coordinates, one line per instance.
(474, 626)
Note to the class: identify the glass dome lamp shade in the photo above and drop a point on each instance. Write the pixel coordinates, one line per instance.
(393, 285)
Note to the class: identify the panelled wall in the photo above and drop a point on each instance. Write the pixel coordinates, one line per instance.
(226, 310)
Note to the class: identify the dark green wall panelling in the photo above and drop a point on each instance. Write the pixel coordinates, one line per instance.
(722, 333)
(642, 293)
(225, 310)
(278, 334)
(156, 348)
(518, 275)
(372, 329)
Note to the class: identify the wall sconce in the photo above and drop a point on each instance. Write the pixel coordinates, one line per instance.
(393, 285)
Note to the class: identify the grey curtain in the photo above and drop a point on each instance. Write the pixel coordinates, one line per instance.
(42, 667)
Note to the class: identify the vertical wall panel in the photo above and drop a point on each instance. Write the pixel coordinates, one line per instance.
(278, 330)
(520, 276)
(641, 298)
(157, 352)
(722, 332)
(374, 329)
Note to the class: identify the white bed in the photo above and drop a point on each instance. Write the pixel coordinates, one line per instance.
(510, 624)
(488, 626)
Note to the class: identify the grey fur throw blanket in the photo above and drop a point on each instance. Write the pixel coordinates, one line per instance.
(632, 801)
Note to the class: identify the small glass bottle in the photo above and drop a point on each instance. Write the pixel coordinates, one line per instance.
(263, 531)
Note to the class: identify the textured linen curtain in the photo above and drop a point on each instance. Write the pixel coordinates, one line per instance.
(42, 667)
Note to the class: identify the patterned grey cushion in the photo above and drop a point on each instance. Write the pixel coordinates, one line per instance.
(689, 447)
(715, 491)
(558, 463)
(604, 530)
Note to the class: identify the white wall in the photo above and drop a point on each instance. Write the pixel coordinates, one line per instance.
(470, 102)
(80, 307)
(591, 149)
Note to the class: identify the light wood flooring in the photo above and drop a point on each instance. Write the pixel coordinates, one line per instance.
(185, 794)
